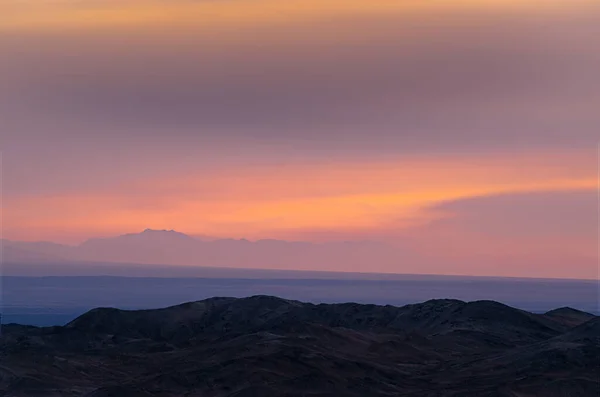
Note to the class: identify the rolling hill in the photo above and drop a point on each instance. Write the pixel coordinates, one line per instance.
(267, 346)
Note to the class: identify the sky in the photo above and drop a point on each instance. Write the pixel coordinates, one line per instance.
(467, 130)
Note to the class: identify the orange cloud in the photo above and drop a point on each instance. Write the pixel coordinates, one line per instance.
(60, 15)
(259, 201)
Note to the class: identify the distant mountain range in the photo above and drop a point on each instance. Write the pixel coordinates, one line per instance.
(171, 247)
(271, 347)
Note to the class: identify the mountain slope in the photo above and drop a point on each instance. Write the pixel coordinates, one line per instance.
(433, 318)
(267, 346)
(568, 316)
(566, 365)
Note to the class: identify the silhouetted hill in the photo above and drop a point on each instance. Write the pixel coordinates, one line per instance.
(566, 365)
(590, 330)
(568, 316)
(433, 318)
(267, 346)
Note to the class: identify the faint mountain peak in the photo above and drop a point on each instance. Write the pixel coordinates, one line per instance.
(148, 230)
(146, 235)
(164, 232)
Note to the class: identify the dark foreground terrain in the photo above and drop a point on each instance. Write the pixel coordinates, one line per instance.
(264, 346)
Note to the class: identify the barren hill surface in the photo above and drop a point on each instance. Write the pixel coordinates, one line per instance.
(267, 346)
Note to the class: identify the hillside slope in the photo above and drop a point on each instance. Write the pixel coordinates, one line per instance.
(267, 346)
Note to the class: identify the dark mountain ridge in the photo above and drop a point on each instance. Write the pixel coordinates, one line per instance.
(268, 346)
(434, 317)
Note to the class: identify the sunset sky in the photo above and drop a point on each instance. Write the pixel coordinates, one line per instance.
(464, 128)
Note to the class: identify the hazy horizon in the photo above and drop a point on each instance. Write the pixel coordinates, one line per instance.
(59, 299)
(460, 136)
(153, 249)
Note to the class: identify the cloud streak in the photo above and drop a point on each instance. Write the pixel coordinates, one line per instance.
(263, 118)
(473, 77)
